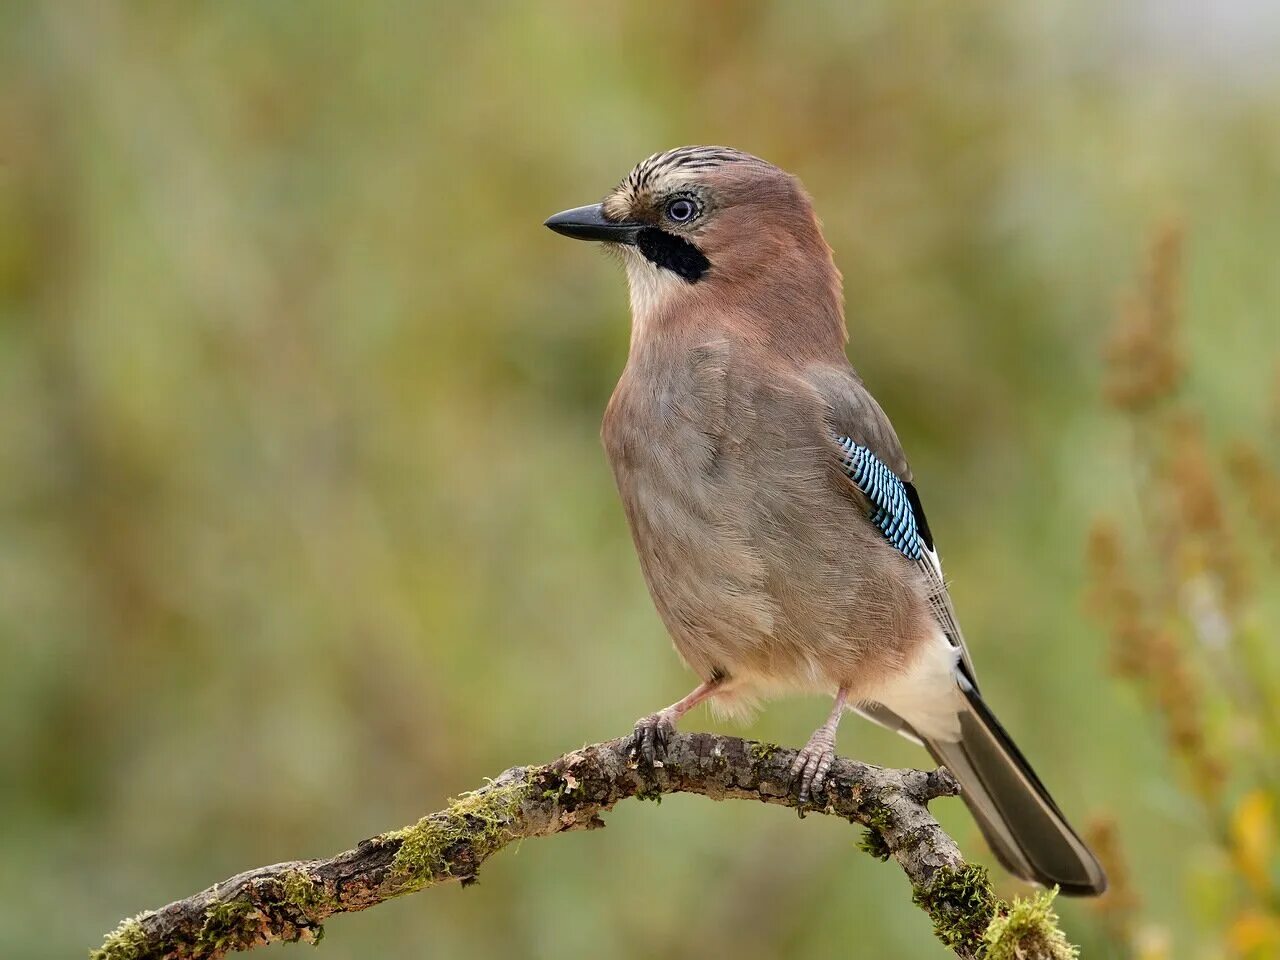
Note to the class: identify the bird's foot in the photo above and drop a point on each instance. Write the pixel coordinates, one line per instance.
(812, 764)
(650, 738)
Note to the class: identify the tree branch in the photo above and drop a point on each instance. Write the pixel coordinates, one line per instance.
(290, 901)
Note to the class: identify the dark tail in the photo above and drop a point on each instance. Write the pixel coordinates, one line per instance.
(1022, 824)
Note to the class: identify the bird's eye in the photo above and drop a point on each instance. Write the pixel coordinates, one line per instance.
(681, 210)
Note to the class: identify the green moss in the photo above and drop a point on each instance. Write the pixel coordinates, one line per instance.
(872, 842)
(310, 901)
(1029, 929)
(961, 905)
(237, 923)
(125, 942)
(229, 926)
(566, 789)
(762, 751)
(298, 889)
(877, 818)
(482, 819)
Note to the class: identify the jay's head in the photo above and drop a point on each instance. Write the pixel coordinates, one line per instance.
(712, 225)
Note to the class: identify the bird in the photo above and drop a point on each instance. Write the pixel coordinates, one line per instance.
(772, 507)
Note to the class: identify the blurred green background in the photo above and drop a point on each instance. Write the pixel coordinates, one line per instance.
(304, 522)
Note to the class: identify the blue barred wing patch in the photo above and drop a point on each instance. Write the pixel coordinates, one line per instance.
(890, 508)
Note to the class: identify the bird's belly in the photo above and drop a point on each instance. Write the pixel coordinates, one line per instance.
(707, 580)
(761, 588)
(761, 565)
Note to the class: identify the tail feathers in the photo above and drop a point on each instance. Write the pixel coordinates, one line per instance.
(1022, 824)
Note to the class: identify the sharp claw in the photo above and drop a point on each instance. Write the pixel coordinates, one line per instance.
(809, 770)
(637, 750)
(650, 739)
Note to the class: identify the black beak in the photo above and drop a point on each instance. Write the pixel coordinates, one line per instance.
(589, 223)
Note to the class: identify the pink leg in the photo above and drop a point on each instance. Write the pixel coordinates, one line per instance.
(649, 741)
(809, 771)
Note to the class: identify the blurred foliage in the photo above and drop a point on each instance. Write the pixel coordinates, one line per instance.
(304, 525)
(1192, 631)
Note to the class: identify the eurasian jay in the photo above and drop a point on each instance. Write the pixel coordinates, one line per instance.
(772, 507)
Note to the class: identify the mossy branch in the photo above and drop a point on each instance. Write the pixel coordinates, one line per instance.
(291, 901)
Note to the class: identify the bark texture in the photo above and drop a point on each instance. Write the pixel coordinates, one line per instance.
(291, 901)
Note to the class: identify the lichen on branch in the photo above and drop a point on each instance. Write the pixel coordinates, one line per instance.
(291, 901)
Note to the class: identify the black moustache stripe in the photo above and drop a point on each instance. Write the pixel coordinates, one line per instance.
(672, 253)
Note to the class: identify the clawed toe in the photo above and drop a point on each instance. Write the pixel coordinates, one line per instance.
(810, 769)
(650, 738)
